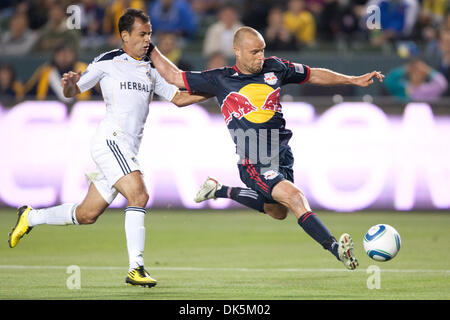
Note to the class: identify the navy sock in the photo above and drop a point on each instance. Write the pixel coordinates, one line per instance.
(247, 197)
(222, 192)
(312, 225)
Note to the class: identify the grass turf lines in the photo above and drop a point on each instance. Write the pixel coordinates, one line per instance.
(220, 255)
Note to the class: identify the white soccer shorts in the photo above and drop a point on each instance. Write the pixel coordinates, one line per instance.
(114, 158)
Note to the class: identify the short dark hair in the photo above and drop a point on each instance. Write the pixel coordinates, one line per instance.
(126, 21)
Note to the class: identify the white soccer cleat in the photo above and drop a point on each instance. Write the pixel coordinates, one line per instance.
(345, 251)
(207, 190)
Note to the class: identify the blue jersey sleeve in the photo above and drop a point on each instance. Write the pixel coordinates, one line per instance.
(200, 82)
(295, 72)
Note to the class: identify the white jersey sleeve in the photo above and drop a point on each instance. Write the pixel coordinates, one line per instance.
(163, 88)
(90, 77)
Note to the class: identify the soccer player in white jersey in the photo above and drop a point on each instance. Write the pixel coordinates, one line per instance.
(128, 82)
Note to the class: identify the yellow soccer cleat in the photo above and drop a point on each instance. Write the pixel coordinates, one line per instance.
(21, 228)
(140, 277)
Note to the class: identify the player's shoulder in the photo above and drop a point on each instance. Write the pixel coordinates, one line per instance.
(216, 72)
(227, 71)
(108, 56)
(276, 63)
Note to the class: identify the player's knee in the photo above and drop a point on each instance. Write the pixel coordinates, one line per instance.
(86, 217)
(279, 213)
(139, 199)
(284, 213)
(295, 197)
(88, 220)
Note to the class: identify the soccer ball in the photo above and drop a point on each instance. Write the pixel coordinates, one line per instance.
(382, 242)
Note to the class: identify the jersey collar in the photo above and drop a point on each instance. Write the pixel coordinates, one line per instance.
(237, 69)
(144, 58)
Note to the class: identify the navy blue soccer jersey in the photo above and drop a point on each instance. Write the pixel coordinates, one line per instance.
(250, 101)
(250, 104)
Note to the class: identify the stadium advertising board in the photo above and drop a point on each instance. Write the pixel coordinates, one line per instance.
(352, 157)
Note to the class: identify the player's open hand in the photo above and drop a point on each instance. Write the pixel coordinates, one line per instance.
(70, 78)
(367, 79)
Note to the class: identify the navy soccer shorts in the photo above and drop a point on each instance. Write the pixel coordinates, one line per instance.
(263, 180)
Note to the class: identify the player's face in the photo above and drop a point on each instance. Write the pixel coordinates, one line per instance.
(250, 54)
(136, 43)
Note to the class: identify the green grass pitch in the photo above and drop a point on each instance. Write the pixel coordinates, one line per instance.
(221, 255)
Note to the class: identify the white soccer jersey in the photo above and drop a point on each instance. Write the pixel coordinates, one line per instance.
(127, 86)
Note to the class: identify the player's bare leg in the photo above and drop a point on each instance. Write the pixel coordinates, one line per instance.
(276, 210)
(133, 188)
(289, 195)
(93, 205)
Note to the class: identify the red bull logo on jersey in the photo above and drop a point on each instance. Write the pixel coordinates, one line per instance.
(270, 78)
(255, 102)
(236, 105)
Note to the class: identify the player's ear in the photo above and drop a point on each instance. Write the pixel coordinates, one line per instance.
(125, 36)
(237, 51)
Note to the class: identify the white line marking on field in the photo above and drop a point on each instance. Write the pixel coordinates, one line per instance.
(106, 268)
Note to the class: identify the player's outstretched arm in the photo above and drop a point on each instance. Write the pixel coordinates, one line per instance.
(184, 98)
(325, 77)
(69, 83)
(166, 68)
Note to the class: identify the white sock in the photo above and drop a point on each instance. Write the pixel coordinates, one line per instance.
(60, 215)
(135, 234)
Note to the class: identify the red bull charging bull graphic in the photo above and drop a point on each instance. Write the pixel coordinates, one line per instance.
(255, 102)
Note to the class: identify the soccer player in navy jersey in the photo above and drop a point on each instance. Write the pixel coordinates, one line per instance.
(248, 94)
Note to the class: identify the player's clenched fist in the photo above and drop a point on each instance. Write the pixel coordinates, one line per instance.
(70, 78)
(68, 83)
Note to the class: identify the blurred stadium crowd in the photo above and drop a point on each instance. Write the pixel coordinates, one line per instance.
(415, 29)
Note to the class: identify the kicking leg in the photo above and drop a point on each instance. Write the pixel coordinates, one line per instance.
(289, 195)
